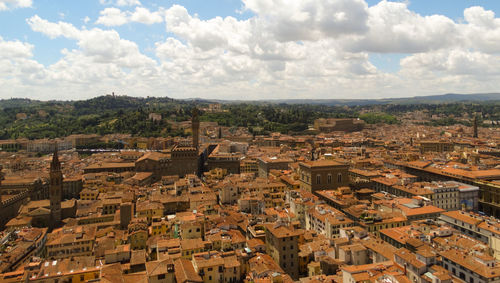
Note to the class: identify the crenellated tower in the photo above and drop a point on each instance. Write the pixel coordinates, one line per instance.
(195, 127)
(475, 134)
(55, 190)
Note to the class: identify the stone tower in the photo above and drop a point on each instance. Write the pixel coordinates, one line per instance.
(1, 174)
(55, 190)
(195, 127)
(475, 126)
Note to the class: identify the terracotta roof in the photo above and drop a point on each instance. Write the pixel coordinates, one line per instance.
(471, 263)
(184, 271)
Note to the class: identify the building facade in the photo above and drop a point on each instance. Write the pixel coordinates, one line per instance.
(323, 175)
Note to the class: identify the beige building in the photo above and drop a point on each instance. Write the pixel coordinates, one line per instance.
(215, 267)
(282, 244)
(323, 175)
(326, 220)
(436, 146)
(333, 125)
(67, 242)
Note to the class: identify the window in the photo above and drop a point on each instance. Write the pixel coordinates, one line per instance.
(318, 179)
(329, 178)
(339, 178)
(161, 276)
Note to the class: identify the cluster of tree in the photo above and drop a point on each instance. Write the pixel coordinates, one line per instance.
(21, 118)
(282, 118)
(101, 115)
(376, 117)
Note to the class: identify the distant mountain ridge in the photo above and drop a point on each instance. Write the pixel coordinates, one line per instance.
(431, 99)
(129, 101)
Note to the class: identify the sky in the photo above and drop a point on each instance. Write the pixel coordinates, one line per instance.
(248, 49)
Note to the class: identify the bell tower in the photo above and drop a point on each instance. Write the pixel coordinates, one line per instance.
(1, 174)
(475, 135)
(195, 127)
(55, 190)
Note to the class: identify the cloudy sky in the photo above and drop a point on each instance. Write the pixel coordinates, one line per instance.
(248, 49)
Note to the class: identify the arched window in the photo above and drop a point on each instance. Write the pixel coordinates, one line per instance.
(318, 179)
(339, 178)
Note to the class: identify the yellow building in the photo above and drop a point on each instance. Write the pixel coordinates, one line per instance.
(249, 166)
(111, 205)
(216, 267)
(193, 246)
(75, 269)
(137, 239)
(89, 194)
(138, 234)
(191, 230)
(149, 210)
(376, 226)
(282, 244)
(160, 228)
(74, 241)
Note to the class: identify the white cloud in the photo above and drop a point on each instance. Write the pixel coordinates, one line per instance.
(393, 28)
(53, 30)
(13, 4)
(116, 17)
(17, 66)
(456, 70)
(121, 2)
(291, 20)
(453, 62)
(308, 48)
(15, 49)
(144, 16)
(104, 62)
(128, 2)
(483, 30)
(102, 46)
(112, 17)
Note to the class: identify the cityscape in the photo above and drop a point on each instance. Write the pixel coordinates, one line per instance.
(347, 200)
(252, 141)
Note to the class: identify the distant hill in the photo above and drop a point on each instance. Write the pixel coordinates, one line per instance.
(18, 102)
(110, 114)
(107, 102)
(432, 99)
